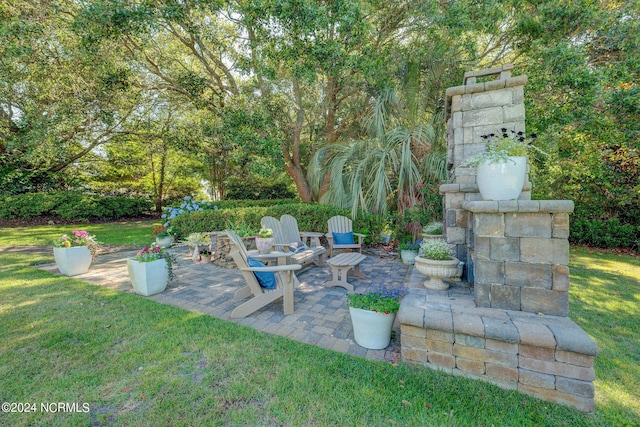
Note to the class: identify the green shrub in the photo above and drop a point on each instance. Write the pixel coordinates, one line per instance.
(71, 206)
(610, 233)
(256, 191)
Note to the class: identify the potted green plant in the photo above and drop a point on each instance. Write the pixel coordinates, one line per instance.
(436, 260)
(196, 241)
(385, 233)
(264, 240)
(408, 252)
(150, 270)
(205, 256)
(372, 314)
(164, 236)
(74, 253)
(501, 169)
(433, 230)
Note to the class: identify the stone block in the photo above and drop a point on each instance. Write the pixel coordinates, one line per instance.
(414, 355)
(439, 320)
(466, 102)
(501, 359)
(518, 94)
(468, 324)
(557, 368)
(505, 249)
(456, 103)
(439, 346)
(556, 206)
(456, 235)
(489, 272)
(494, 98)
(584, 404)
(540, 250)
(457, 119)
(513, 113)
(472, 197)
(495, 84)
(413, 342)
(536, 334)
(475, 367)
(537, 379)
(528, 225)
(527, 274)
(574, 358)
(540, 353)
(472, 150)
(468, 136)
(488, 225)
(505, 297)
(501, 373)
(482, 294)
(436, 335)
(577, 387)
(560, 225)
(450, 217)
(446, 361)
(570, 337)
(410, 314)
(482, 247)
(468, 340)
(453, 200)
(502, 330)
(473, 353)
(560, 278)
(528, 206)
(483, 117)
(413, 331)
(537, 300)
(501, 346)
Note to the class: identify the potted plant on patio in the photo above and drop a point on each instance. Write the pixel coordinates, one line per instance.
(372, 314)
(164, 236)
(436, 260)
(264, 240)
(501, 169)
(433, 230)
(408, 252)
(150, 270)
(74, 253)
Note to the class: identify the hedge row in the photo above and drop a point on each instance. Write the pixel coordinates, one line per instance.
(71, 206)
(610, 233)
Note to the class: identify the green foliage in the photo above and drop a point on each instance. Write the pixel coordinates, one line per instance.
(256, 191)
(71, 206)
(609, 233)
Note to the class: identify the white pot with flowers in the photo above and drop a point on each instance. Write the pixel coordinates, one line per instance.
(433, 230)
(408, 252)
(372, 314)
(164, 236)
(436, 261)
(150, 270)
(502, 168)
(74, 253)
(264, 240)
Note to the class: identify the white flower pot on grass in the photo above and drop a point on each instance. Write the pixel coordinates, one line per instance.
(371, 329)
(502, 180)
(73, 261)
(148, 278)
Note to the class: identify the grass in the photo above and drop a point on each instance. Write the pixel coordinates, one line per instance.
(137, 362)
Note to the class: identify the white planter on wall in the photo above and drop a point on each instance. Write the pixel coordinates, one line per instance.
(73, 261)
(436, 270)
(148, 278)
(502, 180)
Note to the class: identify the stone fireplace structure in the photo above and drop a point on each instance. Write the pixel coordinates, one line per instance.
(507, 322)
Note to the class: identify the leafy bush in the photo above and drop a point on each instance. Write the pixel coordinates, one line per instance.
(610, 233)
(71, 206)
(256, 191)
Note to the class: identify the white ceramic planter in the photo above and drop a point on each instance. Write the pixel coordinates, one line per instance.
(264, 244)
(148, 278)
(408, 256)
(370, 329)
(385, 238)
(73, 261)
(502, 180)
(436, 271)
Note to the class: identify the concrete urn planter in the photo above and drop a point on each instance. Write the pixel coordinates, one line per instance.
(73, 261)
(436, 270)
(264, 244)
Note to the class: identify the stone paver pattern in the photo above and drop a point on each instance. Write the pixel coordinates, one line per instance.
(320, 317)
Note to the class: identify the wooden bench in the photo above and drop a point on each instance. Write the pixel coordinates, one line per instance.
(340, 266)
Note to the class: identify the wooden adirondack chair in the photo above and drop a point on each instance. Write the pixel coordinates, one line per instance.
(342, 224)
(315, 251)
(286, 281)
(283, 238)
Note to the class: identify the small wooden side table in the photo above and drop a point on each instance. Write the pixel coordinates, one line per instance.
(340, 266)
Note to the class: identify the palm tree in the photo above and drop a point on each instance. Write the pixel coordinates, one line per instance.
(368, 174)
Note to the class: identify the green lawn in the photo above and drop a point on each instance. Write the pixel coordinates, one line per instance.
(136, 362)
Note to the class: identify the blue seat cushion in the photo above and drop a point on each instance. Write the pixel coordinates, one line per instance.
(343, 238)
(296, 247)
(266, 279)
